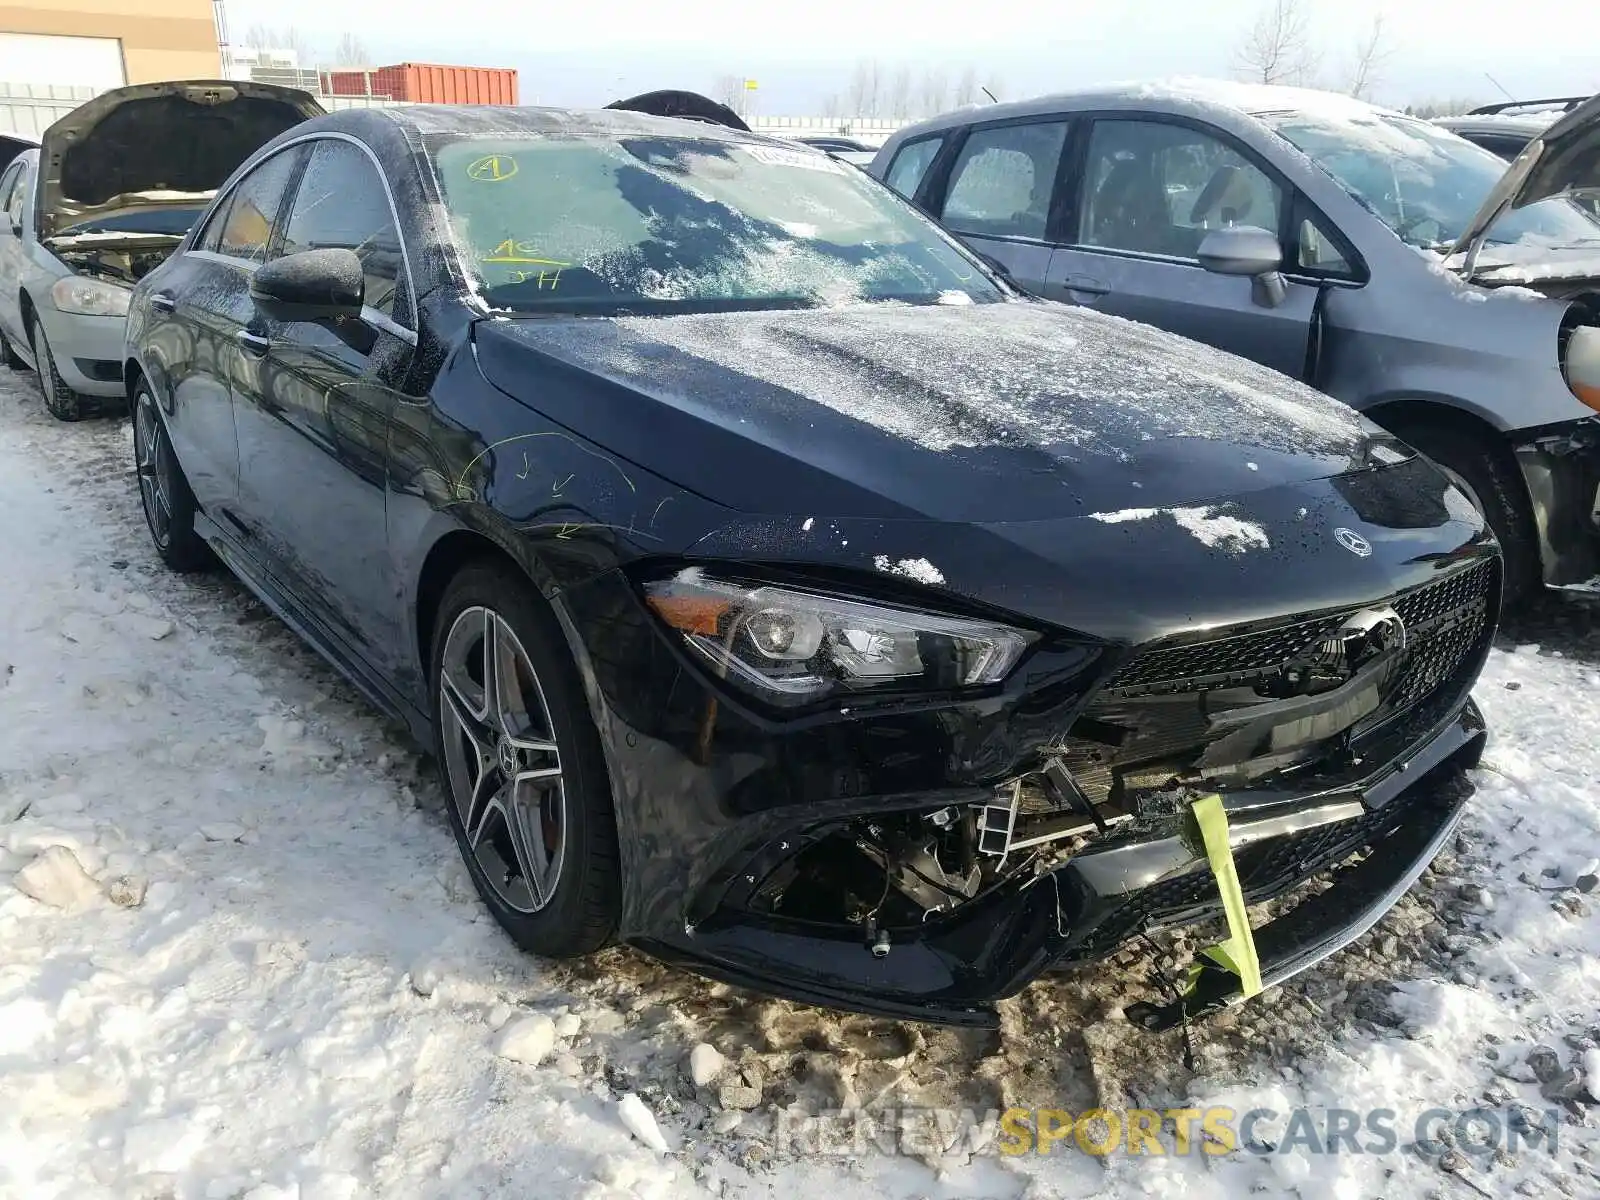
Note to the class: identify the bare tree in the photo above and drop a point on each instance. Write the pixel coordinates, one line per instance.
(1278, 47)
(900, 94)
(832, 106)
(967, 87)
(1372, 52)
(351, 51)
(729, 89)
(935, 97)
(287, 37)
(866, 88)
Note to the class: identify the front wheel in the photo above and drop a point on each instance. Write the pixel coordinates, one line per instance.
(528, 796)
(1485, 472)
(64, 403)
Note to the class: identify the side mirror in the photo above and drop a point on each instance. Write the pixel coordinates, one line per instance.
(1249, 251)
(314, 285)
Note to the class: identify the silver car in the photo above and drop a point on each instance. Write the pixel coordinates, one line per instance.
(1379, 257)
(111, 190)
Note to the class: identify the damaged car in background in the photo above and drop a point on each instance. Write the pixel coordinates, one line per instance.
(783, 593)
(1393, 265)
(111, 190)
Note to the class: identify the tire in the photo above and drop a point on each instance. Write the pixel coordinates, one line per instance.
(169, 505)
(556, 889)
(11, 358)
(64, 403)
(1484, 471)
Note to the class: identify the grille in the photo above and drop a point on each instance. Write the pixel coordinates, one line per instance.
(1230, 660)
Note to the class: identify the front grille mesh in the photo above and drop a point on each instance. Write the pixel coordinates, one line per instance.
(1232, 660)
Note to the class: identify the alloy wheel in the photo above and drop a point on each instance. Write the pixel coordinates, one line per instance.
(502, 760)
(155, 482)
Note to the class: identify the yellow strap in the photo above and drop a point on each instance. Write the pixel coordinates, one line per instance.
(1238, 953)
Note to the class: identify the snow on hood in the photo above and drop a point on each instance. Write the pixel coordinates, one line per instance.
(1007, 411)
(157, 144)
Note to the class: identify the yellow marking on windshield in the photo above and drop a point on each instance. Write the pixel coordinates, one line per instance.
(492, 168)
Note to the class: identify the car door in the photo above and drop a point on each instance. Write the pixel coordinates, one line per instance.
(998, 193)
(313, 426)
(199, 309)
(11, 252)
(1145, 192)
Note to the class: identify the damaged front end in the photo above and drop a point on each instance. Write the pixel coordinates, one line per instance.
(1336, 739)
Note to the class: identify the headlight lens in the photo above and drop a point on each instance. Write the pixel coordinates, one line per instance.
(90, 297)
(1582, 364)
(794, 646)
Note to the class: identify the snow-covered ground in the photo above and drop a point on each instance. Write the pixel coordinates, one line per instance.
(258, 968)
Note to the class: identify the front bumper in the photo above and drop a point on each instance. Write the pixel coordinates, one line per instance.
(712, 799)
(1086, 908)
(88, 350)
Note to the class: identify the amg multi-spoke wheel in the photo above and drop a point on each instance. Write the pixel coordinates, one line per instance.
(168, 503)
(522, 763)
(504, 765)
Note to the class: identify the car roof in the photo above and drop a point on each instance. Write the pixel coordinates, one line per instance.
(430, 121)
(1218, 98)
(1495, 123)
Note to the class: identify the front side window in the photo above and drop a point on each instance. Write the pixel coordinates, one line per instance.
(1423, 182)
(910, 165)
(9, 190)
(243, 228)
(652, 223)
(341, 203)
(1155, 188)
(1001, 183)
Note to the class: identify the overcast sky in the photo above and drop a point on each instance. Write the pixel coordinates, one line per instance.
(590, 53)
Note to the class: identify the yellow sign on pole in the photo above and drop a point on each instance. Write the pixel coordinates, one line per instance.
(749, 85)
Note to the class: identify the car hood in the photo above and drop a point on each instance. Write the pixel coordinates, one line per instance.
(155, 145)
(1001, 412)
(1564, 158)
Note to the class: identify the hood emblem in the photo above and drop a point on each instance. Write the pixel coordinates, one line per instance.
(1365, 636)
(1353, 542)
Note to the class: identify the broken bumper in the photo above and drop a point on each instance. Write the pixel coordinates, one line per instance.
(1082, 910)
(1561, 469)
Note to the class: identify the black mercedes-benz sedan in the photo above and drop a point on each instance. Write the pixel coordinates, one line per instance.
(784, 594)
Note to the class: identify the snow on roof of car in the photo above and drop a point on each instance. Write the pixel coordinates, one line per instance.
(1257, 97)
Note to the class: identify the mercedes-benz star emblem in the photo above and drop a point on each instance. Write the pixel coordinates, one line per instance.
(1352, 541)
(508, 758)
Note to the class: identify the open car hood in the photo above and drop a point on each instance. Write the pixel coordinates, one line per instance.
(156, 145)
(1565, 158)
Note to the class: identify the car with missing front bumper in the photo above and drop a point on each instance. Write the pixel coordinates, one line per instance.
(780, 591)
(110, 189)
(1400, 268)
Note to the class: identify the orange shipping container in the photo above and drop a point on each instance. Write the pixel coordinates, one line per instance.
(429, 83)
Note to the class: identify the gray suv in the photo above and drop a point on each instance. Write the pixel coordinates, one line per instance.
(1390, 263)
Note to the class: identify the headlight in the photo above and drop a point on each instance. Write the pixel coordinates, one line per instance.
(795, 646)
(90, 297)
(1582, 364)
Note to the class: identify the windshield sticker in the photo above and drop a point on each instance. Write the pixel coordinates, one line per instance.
(780, 156)
(492, 168)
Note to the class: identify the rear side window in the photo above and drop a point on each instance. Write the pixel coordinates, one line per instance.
(242, 228)
(342, 204)
(1001, 183)
(910, 165)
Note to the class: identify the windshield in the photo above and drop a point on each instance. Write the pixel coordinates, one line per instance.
(647, 223)
(1424, 182)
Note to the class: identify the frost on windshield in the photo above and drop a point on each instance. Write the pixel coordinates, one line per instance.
(1424, 182)
(591, 223)
(1014, 374)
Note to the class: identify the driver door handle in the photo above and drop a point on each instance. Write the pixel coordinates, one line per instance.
(163, 302)
(252, 343)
